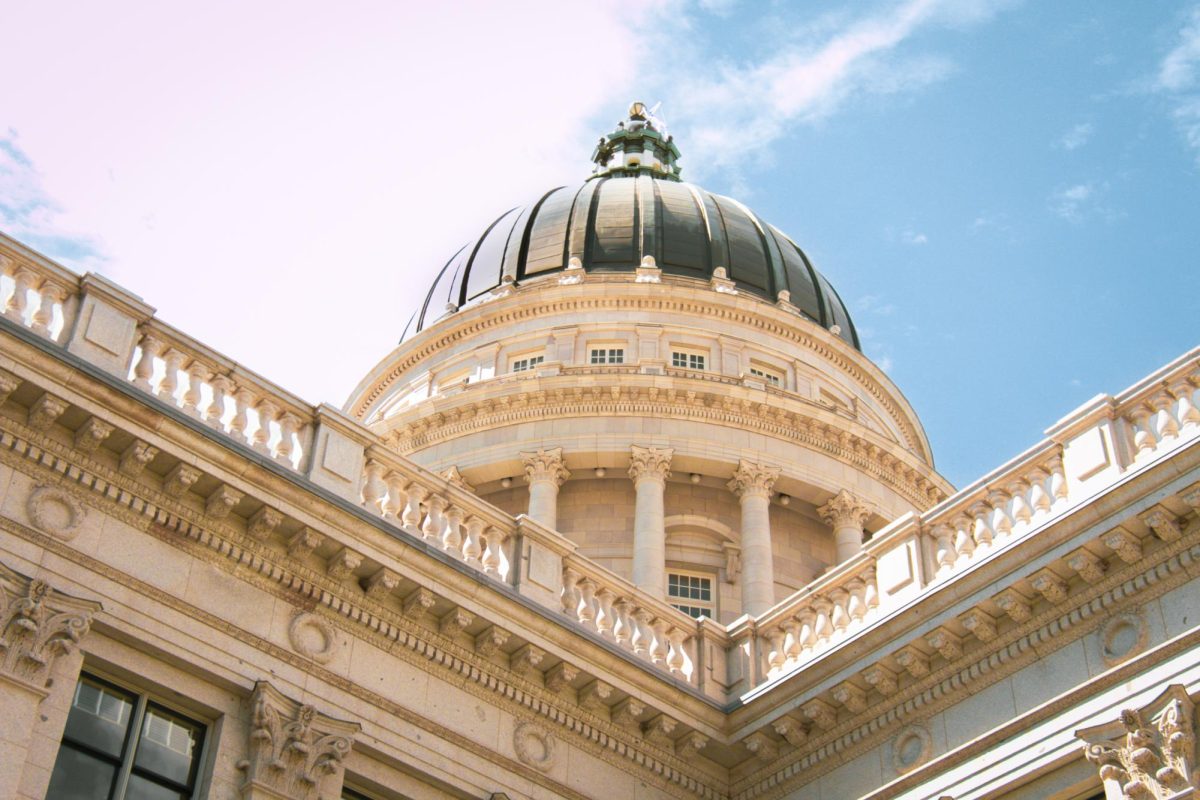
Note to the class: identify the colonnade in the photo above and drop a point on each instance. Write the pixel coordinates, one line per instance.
(752, 483)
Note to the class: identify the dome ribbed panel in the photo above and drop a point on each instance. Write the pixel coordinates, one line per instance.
(514, 251)
(718, 241)
(483, 271)
(801, 281)
(683, 243)
(613, 231)
(748, 264)
(548, 235)
(837, 312)
(581, 219)
(444, 289)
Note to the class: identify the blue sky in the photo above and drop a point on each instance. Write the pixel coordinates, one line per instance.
(1006, 194)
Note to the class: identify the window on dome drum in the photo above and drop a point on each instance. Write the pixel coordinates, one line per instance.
(607, 355)
(687, 360)
(770, 376)
(121, 745)
(691, 593)
(526, 363)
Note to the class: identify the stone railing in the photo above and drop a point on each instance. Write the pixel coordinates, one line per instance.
(621, 613)
(38, 294)
(230, 399)
(1087, 451)
(434, 510)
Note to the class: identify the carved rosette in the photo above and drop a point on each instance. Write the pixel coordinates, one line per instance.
(37, 625)
(844, 511)
(545, 465)
(1150, 752)
(292, 747)
(753, 480)
(650, 463)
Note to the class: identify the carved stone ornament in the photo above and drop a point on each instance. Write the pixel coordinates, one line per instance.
(1123, 637)
(752, 479)
(455, 477)
(37, 625)
(1150, 753)
(545, 465)
(292, 747)
(650, 462)
(534, 746)
(911, 748)
(844, 510)
(56, 512)
(313, 637)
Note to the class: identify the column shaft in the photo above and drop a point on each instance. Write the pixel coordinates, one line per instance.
(649, 469)
(758, 569)
(544, 472)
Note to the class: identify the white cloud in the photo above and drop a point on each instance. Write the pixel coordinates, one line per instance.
(807, 79)
(1076, 204)
(1077, 137)
(874, 304)
(913, 237)
(1179, 79)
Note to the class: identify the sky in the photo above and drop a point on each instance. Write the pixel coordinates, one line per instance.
(1006, 194)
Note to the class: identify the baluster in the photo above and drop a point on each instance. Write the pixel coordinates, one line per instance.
(1164, 422)
(197, 374)
(374, 490)
(1038, 497)
(791, 641)
(7, 265)
(806, 638)
(1001, 522)
(243, 400)
(822, 628)
(1058, 479)
(412, 510)
(434, 524)
(493, 556)
(964, 538)
(570, 593)
(622, 629)
(587, 602)
(1143, 436)
(677, 658)
(214, 412)
(471, 547)
(289, 425)
(452, 534)
(982, 531)
(394, 503)
(856, 606)
(43, 316)
(943, 553)
(775, 653)
(143, 372)
(658, 650)
(173, 363)
(267, 412)
(1021, 512)
(1182, 390)
(870, 589)
(640, 622)
(604, 613)
(840, 619)
(23, 281)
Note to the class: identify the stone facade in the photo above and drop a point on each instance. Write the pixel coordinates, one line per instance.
(465, 585)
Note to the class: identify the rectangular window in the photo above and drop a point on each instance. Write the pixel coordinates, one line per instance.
(691, 594)
(607, 355)
(687, 360)
(773, 378)
(120, 745)
(526, 363)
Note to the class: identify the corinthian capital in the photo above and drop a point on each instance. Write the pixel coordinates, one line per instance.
(750, 479)
(650, 462)
(1150, 752)
(37, 625)
(545, 465)
(844, 511)
(292, 747)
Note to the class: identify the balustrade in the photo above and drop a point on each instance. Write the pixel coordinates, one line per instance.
(37, 295)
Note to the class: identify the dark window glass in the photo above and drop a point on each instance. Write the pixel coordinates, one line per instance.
(119, 746)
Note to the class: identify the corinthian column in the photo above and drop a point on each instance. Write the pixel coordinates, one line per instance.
(649, 468)
(752, 483)
(845, 514)
(544, 472)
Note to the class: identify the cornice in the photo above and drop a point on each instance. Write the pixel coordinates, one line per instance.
(818, 429)
(539, 301)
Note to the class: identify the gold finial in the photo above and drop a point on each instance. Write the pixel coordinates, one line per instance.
(637, 111)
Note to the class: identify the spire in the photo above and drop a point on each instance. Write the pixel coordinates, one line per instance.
(639, 146)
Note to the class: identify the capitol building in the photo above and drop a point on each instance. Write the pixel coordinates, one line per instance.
(626, 514)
